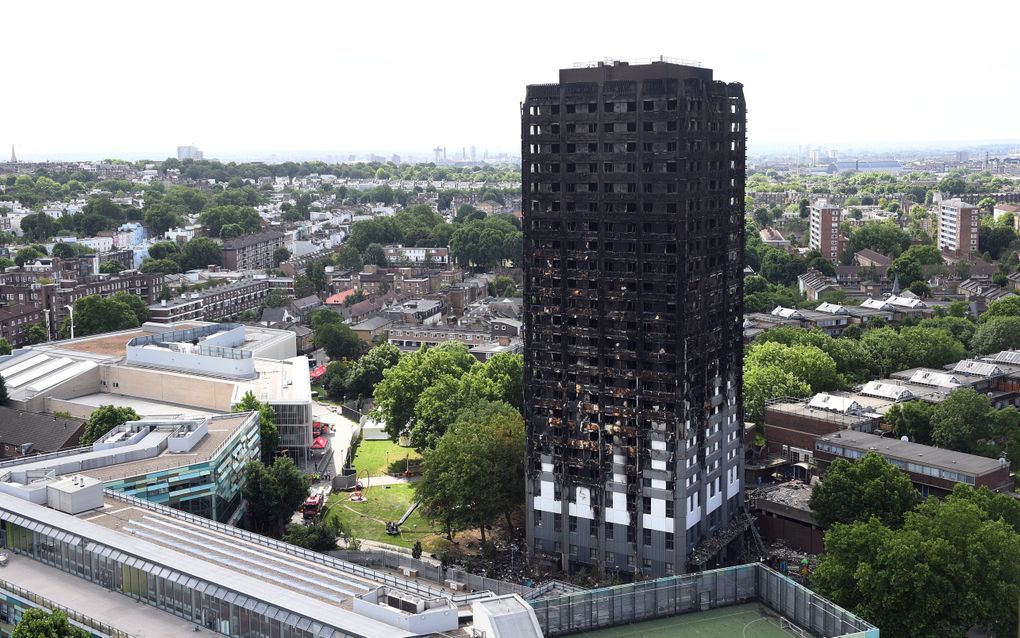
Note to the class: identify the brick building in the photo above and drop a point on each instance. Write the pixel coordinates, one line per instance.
(251, 252)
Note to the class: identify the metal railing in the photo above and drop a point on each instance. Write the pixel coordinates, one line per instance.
(315, 557)
(46, 603)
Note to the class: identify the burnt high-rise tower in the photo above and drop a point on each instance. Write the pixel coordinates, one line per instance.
(633, 264)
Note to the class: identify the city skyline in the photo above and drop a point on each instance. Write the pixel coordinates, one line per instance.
(314, 81)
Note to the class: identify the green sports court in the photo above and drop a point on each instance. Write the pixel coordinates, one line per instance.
(751, 620)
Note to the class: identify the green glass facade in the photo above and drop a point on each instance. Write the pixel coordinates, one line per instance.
(211, 489)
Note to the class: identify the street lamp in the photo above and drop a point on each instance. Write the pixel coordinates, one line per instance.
(70, 309)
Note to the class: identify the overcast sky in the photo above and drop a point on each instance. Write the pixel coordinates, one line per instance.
(247, 77)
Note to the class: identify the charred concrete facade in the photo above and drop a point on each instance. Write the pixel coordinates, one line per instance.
(633, 180)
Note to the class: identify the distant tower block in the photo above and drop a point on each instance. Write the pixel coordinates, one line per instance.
(474, 153)
(438, 152)
(14, 158)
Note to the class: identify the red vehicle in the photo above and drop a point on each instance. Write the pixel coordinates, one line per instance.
(312, 505)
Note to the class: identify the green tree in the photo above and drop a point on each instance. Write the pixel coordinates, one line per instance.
(397, 394)
(1005, 307)
(503, 286)
(320, 536)
(961, 329)
(762, 383)
(884, 237)
(925, 254)
(66, 250)
(94, 314)
(375, 254)
(356, 297)
(273, 494)
(858, 490)
(200, 253)
(269, 435)
(3, 391)
(5, 347)
(165, 250)
(215, 218)
(229, 231)
(111, 268)
(887, 350)
(138, 307)
(961, 420)
(348, 258)
(912, 419)
(38, 227)
(39, 623)
(808, 363)
(280, 255)
(498, 379)
(997, 334)
(103, 419)
(907, 269)
(368, 371)
(995, 238)
(476, 471)
(36, 333)
(161, 217)
(27, 254)
(953, 560)
(162, 266)
(337, 339)
(930, 347)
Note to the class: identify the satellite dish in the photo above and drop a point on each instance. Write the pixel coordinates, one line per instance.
(905, 438)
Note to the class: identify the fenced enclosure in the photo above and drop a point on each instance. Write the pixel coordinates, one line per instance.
(675, 595)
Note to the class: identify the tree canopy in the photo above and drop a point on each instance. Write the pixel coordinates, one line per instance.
(94, 314)
(959, 421)
(476, 471)
(995, 334)
(334, 336)
(808, 363)
(39, 623)
(273, 494)
(951, 567)
(762, 383)
(858, 490)
(397, 394)
(269, 435)
(103, 419)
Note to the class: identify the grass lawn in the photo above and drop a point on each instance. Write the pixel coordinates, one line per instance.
(374, 456)
(385, 503)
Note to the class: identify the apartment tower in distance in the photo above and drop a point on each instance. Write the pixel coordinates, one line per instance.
(633, 178)
(826, 236)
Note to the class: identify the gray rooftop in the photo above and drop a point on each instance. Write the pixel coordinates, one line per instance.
(45, 432)
(914, 452)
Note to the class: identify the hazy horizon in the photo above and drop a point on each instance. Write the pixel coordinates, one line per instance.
(116, 78)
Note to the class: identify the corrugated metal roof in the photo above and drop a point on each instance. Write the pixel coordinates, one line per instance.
(886, 391)
(980, 368)
(931, 377)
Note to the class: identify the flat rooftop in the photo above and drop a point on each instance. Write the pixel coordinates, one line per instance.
(212, 554)
(93, 600)
(219, 431)
(107, 345)
(143, 407)
(750, 620)
(104, 464)
(914, 452)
